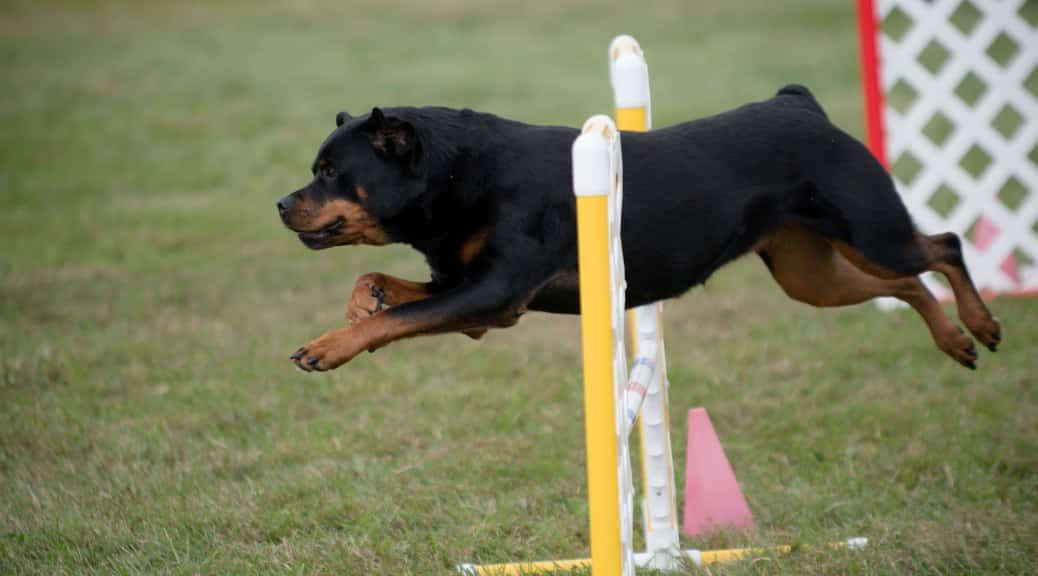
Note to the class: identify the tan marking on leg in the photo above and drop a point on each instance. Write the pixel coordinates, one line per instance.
(972, 310)
(970, 306)
(374, 292)
(946, 335)
(339, 346)
(810, 269)
(473, 246)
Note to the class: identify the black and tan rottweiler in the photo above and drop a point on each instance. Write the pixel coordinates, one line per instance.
(489, 202)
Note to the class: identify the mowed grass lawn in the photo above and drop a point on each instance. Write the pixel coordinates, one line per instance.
(150, 421)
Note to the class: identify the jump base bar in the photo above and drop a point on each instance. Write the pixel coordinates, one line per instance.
(641, 559)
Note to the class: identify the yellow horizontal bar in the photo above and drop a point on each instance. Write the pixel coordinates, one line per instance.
(734, 554)
(520, 568)
(704, 557)
(720, 556)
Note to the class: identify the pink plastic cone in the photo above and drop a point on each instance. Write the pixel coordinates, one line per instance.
(713, 500)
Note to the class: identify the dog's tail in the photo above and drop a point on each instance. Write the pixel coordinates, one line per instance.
(801, 92)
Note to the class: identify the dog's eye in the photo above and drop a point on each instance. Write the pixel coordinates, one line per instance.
(328, 172)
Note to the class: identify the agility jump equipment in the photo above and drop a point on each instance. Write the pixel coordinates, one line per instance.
(612, 402)
(951, 95)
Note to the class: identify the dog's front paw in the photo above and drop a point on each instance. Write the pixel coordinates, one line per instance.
(326, 353)
(368, 297)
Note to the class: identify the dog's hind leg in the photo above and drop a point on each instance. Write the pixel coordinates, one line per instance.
(941, 253)
(946, 253)
(858, 209)
(811, 270)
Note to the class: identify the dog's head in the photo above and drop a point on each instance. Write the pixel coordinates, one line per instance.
(366, 173)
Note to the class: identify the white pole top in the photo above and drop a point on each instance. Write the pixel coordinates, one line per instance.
(593, 169)
(628, 73)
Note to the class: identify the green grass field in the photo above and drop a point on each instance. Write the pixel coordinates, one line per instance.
(150, 421)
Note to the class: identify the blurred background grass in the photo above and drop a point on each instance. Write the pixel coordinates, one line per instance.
(150, 420)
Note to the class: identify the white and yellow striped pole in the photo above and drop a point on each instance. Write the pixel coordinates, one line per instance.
(629, 77)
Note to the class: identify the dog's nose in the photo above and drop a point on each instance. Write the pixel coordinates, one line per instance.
(284, 204)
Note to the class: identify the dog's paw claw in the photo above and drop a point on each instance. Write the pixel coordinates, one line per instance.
(302, 360)
(328, 352)
(380, 298)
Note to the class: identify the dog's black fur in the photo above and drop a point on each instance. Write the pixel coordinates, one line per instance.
(489, 203)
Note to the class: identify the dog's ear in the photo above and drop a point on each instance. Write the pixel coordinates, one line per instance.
(342, 118)
(390, 136)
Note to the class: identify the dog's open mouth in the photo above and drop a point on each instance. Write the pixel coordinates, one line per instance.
(316, 238)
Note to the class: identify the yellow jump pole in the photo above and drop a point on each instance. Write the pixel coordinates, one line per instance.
(596, 182)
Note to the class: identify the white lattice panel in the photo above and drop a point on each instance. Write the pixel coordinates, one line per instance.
(960, 80)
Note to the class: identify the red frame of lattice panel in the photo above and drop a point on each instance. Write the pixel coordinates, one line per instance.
(932, 50)
(867, 34)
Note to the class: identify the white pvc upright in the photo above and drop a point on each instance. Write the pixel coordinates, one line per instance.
(647, 386)
(629, 76)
